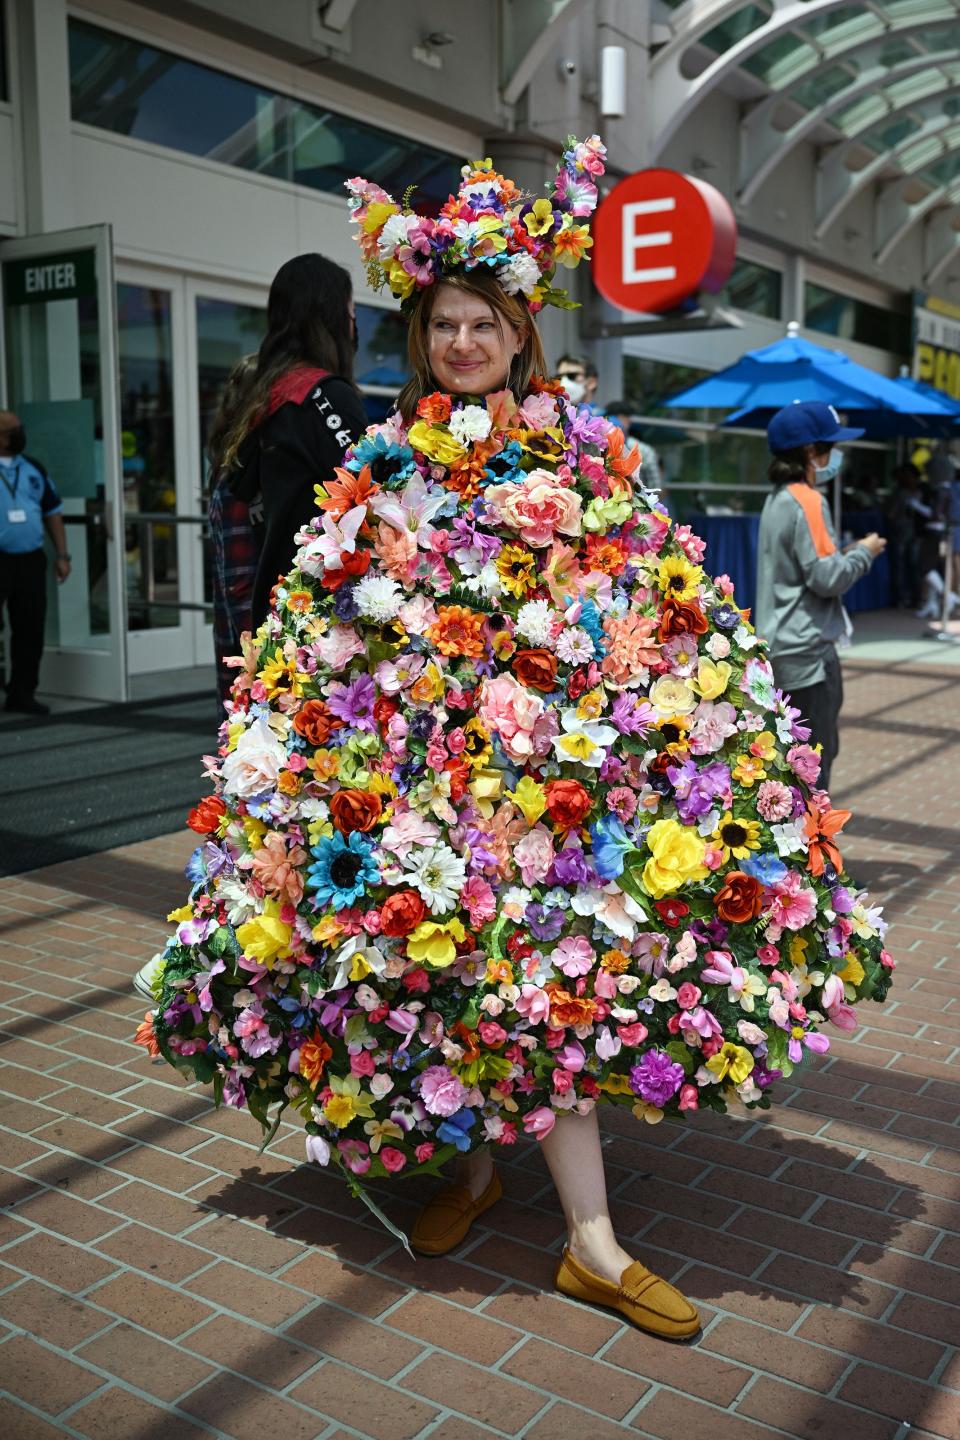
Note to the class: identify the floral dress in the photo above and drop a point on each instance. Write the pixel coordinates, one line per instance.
(508, 817)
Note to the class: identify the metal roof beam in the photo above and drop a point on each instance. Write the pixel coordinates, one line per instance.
(895, 217)
(835, 187)
(941, 242)
(762, 147)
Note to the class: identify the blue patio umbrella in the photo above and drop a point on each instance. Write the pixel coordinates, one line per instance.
(762, 381)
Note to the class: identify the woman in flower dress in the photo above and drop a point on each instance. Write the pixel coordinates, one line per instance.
(509, 819)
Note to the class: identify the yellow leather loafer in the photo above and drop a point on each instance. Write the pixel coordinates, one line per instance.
(445, 1220)
(641, 1297)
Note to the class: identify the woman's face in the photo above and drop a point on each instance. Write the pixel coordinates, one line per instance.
(470, 353)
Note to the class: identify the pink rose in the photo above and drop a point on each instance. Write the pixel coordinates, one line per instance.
(534, 854)
(689, 1098)
(634, 1034)
(688, 995)
(538, 508)
(539, 1122)
(562, 1081)
(805, 762)
(393, 1160)
(362, 1064)
(512, 711)
(424, 1152)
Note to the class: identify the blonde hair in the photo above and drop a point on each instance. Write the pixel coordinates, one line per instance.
(529, 360)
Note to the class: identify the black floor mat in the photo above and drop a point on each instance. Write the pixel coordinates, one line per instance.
(77, 783)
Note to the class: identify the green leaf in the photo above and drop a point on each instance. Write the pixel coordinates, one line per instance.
(683, 1055)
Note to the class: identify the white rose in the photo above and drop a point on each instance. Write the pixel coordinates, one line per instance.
(253, 768)
(718, 646)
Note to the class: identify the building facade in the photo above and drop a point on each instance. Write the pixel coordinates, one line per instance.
(159, 161)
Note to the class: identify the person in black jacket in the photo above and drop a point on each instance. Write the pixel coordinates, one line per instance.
(302, 413)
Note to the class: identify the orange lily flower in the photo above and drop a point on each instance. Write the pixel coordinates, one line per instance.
(617, 462)
(820, 830)
(145, 1036)
(338, 496)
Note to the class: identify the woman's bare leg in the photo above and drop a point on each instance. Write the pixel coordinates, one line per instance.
(572, 1152)
(475, 1171)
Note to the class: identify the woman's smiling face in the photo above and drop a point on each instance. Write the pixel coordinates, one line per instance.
(471, 348)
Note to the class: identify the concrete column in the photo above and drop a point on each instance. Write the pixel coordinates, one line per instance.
(44, 83)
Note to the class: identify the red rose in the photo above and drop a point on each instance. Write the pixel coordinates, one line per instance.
(459, 772)
(536, 669)
(315, 722)
(356, 564)
(401, 913)
(355, 810)
(671, 912)
(205, 817)
(568, 803)
(739, 899)
(384, 709)
(681, 618)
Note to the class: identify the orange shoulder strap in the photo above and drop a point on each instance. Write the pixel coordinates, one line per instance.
(812, 506)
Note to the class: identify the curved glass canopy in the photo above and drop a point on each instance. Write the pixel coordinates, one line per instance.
(875, 86)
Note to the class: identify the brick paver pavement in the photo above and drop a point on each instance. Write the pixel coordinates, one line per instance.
(160, 1278)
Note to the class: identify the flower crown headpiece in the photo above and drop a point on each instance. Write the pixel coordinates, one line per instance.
(489, 222)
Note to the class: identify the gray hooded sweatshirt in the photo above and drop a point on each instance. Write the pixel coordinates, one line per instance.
(798, 610)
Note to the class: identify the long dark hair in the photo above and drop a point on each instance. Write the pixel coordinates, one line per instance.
(528, 362)
(232, 400)
(308, 323)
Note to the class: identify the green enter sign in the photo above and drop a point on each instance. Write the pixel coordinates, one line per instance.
(50, 277)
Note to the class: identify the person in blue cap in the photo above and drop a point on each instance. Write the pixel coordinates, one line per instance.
(801, 574)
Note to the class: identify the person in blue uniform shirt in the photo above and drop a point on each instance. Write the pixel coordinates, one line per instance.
(29, 505)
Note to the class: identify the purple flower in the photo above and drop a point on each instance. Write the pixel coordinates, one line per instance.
(695, 790)
(631, 715)
(725, 617)
(344, 603)
(657, 1078)
(353, 703)
(544, 923)
(569, 867)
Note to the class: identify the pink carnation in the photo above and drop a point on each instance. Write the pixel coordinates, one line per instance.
(479, 901)
(441, 1091)
(805, 762)
(774, 801)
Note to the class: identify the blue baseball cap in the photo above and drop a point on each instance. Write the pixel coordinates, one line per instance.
(807, 422)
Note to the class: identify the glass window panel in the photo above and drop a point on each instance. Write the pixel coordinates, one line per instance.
(860, 113)
(851, 319)
(854, 15)
(783, 57)
(121, 85)
(735, 27)
(381, 367)
(822, 85)
(4, 79)
(754, 288)
(890, 135)
(945, 171)
(145, 353)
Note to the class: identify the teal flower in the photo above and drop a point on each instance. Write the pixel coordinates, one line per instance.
(343, 867)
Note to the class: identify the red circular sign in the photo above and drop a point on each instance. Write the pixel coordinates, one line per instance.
(658, 238)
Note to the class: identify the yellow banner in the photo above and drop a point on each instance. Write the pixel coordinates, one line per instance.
(936, 344)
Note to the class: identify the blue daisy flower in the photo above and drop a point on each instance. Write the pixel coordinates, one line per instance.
(342, 869)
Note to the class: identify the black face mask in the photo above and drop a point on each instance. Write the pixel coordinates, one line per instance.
(16, 440)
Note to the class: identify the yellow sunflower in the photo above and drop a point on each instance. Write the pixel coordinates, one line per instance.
(678, 578)
(517, 568)
(736, 837)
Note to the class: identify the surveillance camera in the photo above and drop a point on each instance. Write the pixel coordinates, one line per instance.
(566, 67)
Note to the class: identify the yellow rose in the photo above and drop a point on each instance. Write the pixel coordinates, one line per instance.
(264, 938)
(676, 856)
(712, 677)
(672, 696)
(486, 787)
(435, 944)
(732, 1062)
(436, 444)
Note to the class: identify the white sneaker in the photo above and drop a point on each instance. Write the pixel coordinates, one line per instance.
(145, 977)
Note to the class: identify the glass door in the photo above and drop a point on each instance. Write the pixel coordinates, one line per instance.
(60, 368)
